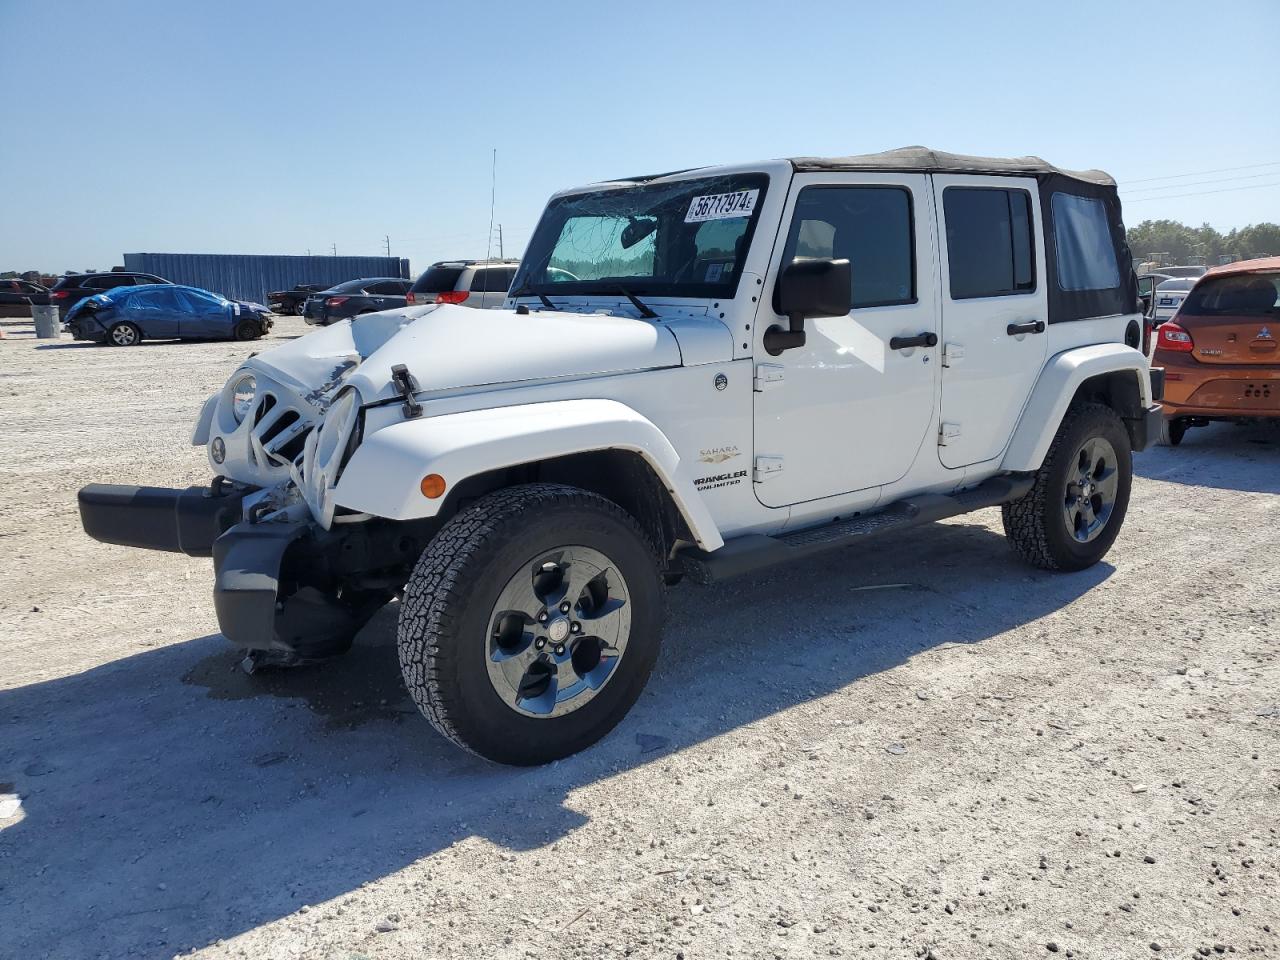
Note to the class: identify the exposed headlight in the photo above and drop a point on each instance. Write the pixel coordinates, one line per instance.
(243, 393)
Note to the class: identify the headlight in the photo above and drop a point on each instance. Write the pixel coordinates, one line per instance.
(243, 394)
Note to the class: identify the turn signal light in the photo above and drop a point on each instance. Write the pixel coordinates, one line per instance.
(432, 486)
(1173, 337)
(452, 296)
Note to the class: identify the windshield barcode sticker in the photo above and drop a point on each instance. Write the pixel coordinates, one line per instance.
(722, 206)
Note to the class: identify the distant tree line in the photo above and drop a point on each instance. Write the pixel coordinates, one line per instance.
(1181, 242)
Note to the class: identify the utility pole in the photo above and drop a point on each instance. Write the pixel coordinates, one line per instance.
(493, 193)
(335, 249)
(388, 239)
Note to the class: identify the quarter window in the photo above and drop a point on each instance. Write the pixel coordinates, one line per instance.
(871, 227)
(1086, 254)
(989, 242)
(491, 280)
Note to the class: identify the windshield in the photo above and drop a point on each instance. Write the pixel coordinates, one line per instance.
(1241, 295)
(687, 238)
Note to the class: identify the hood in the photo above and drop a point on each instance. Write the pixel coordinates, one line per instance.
(449, 347)
(248, 306)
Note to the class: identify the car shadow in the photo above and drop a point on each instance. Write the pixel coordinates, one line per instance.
(1226, 456)
(170, 801)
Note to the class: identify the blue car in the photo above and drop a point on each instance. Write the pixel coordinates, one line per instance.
(125, 316)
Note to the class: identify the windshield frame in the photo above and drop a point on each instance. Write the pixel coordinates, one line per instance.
(561, 208)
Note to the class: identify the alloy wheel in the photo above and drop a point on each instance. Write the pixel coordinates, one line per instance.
(123, 335)
(558, 631)
(1092, 485)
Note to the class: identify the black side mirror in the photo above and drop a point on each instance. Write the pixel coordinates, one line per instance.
(809, 288)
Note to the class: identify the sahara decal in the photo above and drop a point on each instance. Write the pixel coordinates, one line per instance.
(718, 454)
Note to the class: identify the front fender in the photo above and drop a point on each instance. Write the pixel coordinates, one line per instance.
(384, 474)
(1054, 391)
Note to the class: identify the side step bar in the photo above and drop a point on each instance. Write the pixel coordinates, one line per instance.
(754, 552)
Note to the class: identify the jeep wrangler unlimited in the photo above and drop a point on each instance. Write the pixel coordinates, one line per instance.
(694, 375)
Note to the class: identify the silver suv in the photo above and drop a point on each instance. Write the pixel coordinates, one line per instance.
(473, 283)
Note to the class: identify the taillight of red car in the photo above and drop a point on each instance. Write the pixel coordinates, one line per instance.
(409, 298)
(336, 301)
(59, 294)
(451, 296)
(1172, 336)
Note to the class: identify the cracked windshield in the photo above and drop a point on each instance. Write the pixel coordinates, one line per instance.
(683, 239)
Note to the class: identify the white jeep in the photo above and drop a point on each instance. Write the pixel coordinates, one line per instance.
(695, 375)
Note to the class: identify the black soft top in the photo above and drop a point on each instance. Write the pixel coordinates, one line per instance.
(924, 160)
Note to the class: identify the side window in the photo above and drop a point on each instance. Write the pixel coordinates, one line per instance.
(490, 280)
(108, 280)
(1085, 252)
(871, 227)
(198, 302)
(386, 288)
(990, 250)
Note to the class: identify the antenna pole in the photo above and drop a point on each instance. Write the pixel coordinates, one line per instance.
(493, 192)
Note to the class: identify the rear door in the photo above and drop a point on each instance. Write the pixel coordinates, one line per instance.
(205, 316)
(994, 310)
(156, 311)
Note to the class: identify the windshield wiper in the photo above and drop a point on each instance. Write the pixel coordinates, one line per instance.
(524, 291)
(635, 301)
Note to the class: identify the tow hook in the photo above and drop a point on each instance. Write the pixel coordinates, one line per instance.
(406, 386)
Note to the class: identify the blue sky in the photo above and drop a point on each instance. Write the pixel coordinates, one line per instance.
(278, 127)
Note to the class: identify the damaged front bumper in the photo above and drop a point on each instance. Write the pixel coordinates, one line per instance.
(273, 589)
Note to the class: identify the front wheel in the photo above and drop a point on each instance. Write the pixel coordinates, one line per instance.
(1073, 512)
(1172, 430)
(124, 335)
(531, 623)
(248, 330)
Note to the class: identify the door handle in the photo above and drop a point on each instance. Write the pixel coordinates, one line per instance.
(1026, 326)
(920, 340)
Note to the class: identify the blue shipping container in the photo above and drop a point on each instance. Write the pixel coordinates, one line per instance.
(252, 277)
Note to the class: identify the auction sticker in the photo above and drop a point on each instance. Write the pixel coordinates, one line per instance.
(722, 206)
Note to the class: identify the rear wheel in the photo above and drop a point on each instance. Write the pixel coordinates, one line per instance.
(531, 623)
(1074, 510)
(124, 334)
(1172, 430)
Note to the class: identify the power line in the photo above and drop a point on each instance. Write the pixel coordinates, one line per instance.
(1202, 193)
(1204, 173)
(1202, 183)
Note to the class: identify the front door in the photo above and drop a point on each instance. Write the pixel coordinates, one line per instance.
(994, 311)
(850, 409)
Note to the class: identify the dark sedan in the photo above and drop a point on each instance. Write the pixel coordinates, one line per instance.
(74, 287)
(17, 296)
(126, 316)
(355, 297)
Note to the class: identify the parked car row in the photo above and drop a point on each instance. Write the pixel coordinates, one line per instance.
(125, 316)
(17, 296)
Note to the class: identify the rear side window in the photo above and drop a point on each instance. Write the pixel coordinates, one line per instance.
(871, 227)
(989, 242)
(492, 280)
(387, 288)
(438, 280)
(1243, 295)
(1085, 252)
(108, 281)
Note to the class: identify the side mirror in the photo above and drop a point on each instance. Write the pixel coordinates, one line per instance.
(809, 288)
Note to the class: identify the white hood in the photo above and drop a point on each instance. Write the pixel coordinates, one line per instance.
(448, 347)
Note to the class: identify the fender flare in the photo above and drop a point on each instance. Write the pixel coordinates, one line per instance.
(385, 471)
(1059, 381)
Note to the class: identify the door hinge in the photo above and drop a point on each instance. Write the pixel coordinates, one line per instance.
(767, 467)
(948, 432)
(768, 375)
(951, 352)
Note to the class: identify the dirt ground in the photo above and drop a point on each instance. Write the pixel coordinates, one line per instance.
(923, 750)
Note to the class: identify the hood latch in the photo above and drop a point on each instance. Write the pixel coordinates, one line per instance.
(406, 386)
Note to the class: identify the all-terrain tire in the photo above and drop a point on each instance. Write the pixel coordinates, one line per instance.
(444, 626)
(1035, 524)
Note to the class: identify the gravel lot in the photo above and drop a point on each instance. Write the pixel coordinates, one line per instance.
(926, 750)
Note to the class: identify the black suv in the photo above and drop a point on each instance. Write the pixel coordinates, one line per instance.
(355, 297)
(74, 287)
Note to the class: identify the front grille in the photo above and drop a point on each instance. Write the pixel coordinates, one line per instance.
(279, 432)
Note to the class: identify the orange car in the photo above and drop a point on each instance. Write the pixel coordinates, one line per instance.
(1221, 350)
